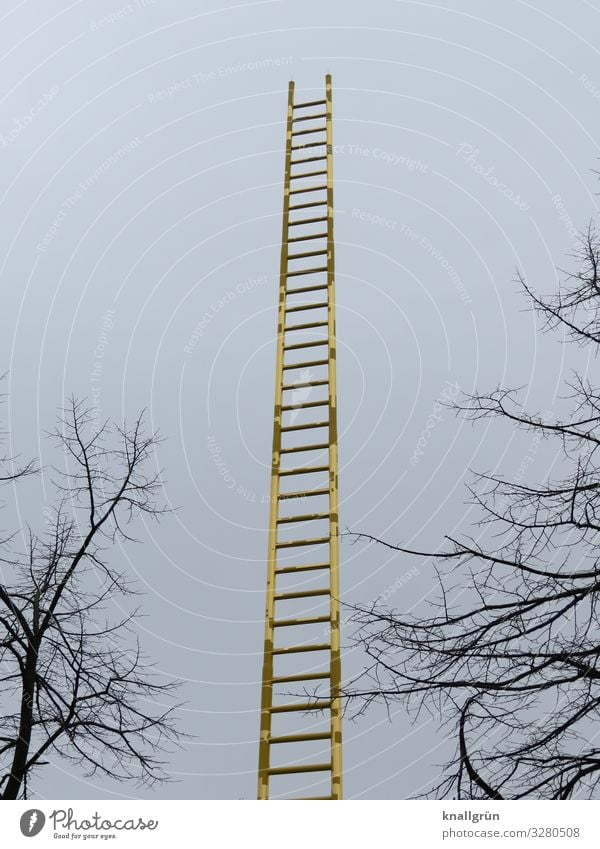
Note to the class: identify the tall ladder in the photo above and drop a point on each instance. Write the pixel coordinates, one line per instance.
(305, 390)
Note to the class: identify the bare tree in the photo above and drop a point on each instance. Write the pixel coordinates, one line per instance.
(73, 682)
(509, 651)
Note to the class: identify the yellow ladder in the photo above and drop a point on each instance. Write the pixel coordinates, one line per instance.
(305, 389)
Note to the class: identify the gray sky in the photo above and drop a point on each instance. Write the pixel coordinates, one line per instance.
(141, 156)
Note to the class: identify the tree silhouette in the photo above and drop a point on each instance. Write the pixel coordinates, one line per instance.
(509, 650)
(73, 681)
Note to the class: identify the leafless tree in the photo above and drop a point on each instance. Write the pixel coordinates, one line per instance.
(73, 681)
(508, 652)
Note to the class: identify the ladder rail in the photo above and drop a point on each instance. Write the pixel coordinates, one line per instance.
(264, 754)
(336, 674)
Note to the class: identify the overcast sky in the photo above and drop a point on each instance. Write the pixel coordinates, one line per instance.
(141, 156)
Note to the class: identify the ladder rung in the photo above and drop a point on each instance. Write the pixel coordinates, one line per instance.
(305, 364)
(305, 493)
(311, 620)
(306, 426)
(307, 253)
(302, 594)
(300, 543)
(310, 117)
(307, 307)
(306, 517)
(306, 238)
(287, 407)
(307, 174)
(299, 291)
(315, 447)
(292, 770)
(308, 159)
(303, 706)
(309, 189)
(308, 647)
(299, 738)
(307, 620)
(302, 271)
(310, 144)
(307, 470)
(308, 132)
(307, 205)
(313, 798)
(305, 384)
(305, 326)
(299, 345)
(309, 103)
(286, 570)
(307, 221)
